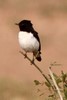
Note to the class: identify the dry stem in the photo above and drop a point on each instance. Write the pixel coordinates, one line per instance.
(55, 84)
(36, 67)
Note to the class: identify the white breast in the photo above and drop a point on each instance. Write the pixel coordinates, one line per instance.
(28, 42)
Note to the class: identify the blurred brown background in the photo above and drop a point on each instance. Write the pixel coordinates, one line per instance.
(49, 18)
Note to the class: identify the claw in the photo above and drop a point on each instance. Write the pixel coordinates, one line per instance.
(25, 55)
(32, 62)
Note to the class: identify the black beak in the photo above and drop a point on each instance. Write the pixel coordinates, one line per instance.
(16, 24)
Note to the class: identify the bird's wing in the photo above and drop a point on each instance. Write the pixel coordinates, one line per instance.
(37, 37)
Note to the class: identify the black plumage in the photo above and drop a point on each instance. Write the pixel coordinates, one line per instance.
(27, 26)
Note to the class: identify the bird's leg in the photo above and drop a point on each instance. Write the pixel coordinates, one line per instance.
(36, 54)
(25, 55)
(32, 61)
(34, 57)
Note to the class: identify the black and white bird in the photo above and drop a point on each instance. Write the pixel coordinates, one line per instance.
(29, 39)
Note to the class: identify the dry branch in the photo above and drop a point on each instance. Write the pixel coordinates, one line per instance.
(55, 84)
(36, 66)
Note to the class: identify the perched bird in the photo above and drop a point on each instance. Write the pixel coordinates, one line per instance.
(29, 40)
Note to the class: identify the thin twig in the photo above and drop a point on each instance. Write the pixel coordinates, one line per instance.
(36, 67)
(57, 88)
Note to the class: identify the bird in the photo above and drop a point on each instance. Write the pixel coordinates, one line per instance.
(29, 40)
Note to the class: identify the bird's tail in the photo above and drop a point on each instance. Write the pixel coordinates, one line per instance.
(39, 57)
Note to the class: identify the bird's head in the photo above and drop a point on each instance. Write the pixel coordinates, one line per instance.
(24, 25)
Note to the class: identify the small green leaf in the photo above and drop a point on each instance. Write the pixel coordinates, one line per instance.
(55, 75)
(51, 95)
(66, 85)
(47, 84)
(57, 78)
(65, 93)
(64, 76)
(36, 82)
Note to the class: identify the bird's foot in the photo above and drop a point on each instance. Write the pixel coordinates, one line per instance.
(32, 61)
(25, 55)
